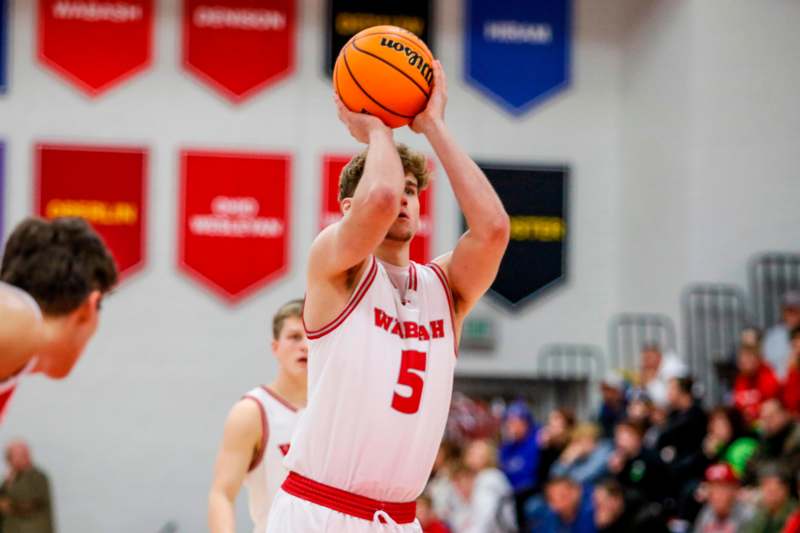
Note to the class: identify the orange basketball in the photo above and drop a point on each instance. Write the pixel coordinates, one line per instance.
(385, 71)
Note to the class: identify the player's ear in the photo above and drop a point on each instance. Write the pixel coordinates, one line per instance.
(274, 346)
(345, 204)
(87, 311)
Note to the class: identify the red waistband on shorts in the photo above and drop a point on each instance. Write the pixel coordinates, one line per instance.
(347, 502)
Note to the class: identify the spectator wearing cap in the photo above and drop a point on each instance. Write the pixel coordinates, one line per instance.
(776, 504)
(780, 439)
(613, 404)
(721, 513)
(656, 369)
(755, 382)
(585, 459)
(519, 454)
(569, 508)
(638, 469)
(791, 389)
(776, 341)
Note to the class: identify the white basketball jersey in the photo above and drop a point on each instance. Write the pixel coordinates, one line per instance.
(380, 378)
(9, 385)
(266, 473)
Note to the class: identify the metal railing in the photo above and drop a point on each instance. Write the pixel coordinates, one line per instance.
(628, 332)
(771, 275)
(713, 316)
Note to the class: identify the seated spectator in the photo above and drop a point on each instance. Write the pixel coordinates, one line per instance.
(519, 454)
(553, 439)
(639, 470)
(569, 508)
(656, 371)
(791, 389)
(793, 522)
(644, 413)
(585, 459)
(722, 513)
(686, 424)
(729, 440)
(440, 486)
(780, 439)
(25, 503)
(755, 382)
(776, 341)
(776, 504)
(427, 518)
(488, 498)
(613, 404)
(613, 513)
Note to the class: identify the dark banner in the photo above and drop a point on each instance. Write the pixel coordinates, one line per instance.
(517, 52)
(4, 45)
(348, 17)
(95, 44)
(239, 47)
(536, 199)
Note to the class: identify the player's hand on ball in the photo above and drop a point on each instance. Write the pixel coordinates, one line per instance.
(360, 125)
(433, 114)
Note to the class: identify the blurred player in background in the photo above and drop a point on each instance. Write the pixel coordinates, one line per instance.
(383, 332)
(259, 428)
(52, 281)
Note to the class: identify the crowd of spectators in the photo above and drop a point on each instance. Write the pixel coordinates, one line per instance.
(654, 458)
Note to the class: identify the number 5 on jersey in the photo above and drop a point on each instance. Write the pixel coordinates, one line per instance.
(412, 365)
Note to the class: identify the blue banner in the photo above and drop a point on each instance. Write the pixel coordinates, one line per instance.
(3, 44)
(517, 51)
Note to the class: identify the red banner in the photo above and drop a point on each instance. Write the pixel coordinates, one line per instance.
(105, 186)
(234, 220)
(95, 44)
(239, 46)
(331, 168)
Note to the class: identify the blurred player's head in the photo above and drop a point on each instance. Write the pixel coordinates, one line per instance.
(415, 168)
(18, 456)
(289, 343)
(65, 266)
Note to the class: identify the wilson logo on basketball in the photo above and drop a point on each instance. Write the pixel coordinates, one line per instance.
(414, 58)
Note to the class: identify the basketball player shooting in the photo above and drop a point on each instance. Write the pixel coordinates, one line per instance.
(52, 280)
(259, 429)
(383, 332)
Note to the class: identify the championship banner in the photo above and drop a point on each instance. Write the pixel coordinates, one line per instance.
(332, 166)
(535, 198)
(234, 220)
(105, 186)
(4, 45)
(348, 17)
(95, 44)
(517, 51)
(238, 47)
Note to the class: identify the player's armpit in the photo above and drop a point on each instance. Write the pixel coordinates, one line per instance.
(241, 439)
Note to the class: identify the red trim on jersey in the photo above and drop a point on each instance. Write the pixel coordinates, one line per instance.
(358, 295)
(412, 277)
(347, 502)
(446, 286)
(5, 398)
(280, 399)
(264, 434)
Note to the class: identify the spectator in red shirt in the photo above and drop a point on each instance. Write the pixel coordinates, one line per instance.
(793, 523)
(427, 518)
(791, 389)
(755, 383)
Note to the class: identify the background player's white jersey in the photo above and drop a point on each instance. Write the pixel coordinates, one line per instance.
(380, 379)
(267, 472)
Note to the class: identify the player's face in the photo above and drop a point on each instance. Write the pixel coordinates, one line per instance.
(407, 223)
(291, 348)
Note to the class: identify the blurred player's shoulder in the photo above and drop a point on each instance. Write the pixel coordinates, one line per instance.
(20, 329)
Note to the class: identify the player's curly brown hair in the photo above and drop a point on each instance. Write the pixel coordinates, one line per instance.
(414, 163)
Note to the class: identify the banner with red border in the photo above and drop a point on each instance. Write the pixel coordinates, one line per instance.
(332, 165)
(234, 220)
(239, 47)
(105, 185)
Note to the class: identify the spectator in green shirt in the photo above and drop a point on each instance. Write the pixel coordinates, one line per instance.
(25, 494)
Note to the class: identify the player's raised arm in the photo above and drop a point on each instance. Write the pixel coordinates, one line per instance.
(372, 209)
(472, 266)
